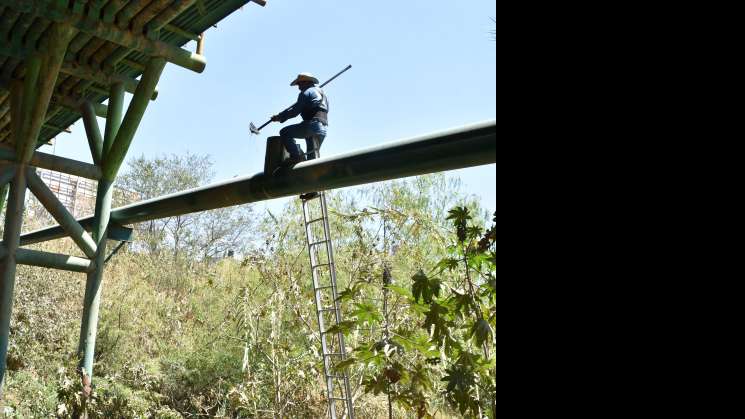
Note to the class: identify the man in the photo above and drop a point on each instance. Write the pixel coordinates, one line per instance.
(313, 105)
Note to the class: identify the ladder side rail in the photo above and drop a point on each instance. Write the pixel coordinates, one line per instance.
(332, 270)
(337, 303)
(319, 313)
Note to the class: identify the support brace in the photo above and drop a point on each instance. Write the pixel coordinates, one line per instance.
(93, 132)
(47, 198)
(49, 260)
(56, 163)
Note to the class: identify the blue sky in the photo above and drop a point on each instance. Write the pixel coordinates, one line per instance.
(419, 66)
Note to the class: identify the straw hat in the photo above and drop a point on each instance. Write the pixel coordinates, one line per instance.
(305, 77)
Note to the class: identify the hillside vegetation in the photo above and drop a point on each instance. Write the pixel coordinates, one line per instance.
(187, 332)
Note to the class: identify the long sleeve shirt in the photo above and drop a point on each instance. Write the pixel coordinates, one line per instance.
(309, 100)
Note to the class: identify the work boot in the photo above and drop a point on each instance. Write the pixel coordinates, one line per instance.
(309, 195)
(286, 165)
(293, 160)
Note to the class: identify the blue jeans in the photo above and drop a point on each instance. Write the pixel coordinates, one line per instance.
(308, 130)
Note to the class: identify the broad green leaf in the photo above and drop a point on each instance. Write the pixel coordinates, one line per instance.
(460, 381)
(459, 214)
(341, 366)
(437, 321)
(477, 260)
(463, 304)
(400, 291)
(420, 286)
(481, 332)
(474, 232)
(420, 380)
(344, 327)
(367, 313)
(449, 264)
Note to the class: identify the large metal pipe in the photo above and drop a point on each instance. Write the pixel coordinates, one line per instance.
(31, 257)
(469, 146)
(92, 132)
(132, 119)
(92, 300)
(11, 238)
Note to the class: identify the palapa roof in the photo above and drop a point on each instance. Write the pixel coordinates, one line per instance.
(114, 41)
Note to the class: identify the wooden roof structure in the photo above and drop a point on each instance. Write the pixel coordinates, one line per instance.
(114, 40)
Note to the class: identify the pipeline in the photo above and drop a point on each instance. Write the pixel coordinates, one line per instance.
(468, 146)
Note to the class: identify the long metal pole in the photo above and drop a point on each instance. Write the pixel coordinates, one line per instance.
(11, 240)
(51, 260)
(55, 163)
(119, 136)
(126, 132)
(92, 302)
(3, 196)
(468, 146)
(29, 105)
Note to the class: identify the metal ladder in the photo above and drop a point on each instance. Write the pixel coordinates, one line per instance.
(328, 308)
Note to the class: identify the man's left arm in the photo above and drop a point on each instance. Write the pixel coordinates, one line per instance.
(293, 111)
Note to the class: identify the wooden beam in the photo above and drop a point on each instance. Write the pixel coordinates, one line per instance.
(75, 103)
(111, 33)
(75, 68)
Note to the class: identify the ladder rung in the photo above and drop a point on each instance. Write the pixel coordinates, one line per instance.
(328, 309)
(335, 354)
(327, 287)
(340, 399)
(321, 265)
(318, 242)
(339, 377)
(318, 196)
(314, 221)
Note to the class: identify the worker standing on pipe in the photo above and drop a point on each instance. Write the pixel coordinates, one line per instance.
(313, 105)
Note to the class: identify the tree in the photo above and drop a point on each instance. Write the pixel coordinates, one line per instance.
(204, 235)
(438, 331)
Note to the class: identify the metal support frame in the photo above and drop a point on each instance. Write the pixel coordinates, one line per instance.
(114, 252)
(57, 210)
(11, 240)
(29, 104)
(119, 136)
(93, 132)
(56, 163)
(49, 260)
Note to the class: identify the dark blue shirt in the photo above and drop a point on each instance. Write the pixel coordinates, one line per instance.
(308, 100)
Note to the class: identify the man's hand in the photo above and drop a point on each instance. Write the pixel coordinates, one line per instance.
(276, 118)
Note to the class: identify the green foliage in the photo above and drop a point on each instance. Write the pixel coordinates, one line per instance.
(454, 344)
(181, 338)
(205, 236)
(425, 288)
